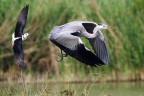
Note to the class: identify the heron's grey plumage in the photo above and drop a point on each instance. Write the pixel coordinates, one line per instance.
(99, 47)
(67, 38)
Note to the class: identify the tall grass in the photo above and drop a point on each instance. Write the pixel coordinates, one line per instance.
(124, 41)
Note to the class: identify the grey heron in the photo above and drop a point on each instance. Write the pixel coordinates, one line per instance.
(67, 38)
(18, 37)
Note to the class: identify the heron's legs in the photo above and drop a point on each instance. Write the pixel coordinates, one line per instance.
(62, 55)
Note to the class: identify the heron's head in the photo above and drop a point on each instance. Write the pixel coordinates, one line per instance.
(103, 26)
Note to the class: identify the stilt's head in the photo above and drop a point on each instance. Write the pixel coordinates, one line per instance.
(103, 26)
(24, 37)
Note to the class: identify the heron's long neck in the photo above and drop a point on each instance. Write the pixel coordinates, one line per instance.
(94, 32)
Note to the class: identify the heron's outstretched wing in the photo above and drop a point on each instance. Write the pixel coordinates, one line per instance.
(21, 22)
(18, 53)
(99, 47)
(73, 46)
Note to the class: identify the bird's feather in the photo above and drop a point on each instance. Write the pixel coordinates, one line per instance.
(89, 27)
(18, 53)
(81, 54)
(99, 47)
(67, 38)
(73, 46)
(21, 22)
(17, 47)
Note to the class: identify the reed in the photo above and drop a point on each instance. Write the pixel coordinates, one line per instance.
(124, 41)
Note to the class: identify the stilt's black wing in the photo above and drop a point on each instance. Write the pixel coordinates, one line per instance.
(99, 47)
(18, 53)
(21, 22)
(17, 47)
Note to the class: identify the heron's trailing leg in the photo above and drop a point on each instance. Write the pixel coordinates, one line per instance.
(62, 55)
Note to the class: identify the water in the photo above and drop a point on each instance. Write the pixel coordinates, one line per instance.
(118, 89)
(80, 89)
(110, 89)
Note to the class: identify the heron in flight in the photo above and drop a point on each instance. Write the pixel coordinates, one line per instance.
(18, 37)
(67, 38)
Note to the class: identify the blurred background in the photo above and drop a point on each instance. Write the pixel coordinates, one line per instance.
(125, 41)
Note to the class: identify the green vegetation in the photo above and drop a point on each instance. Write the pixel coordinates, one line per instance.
(82, 89)
(124, 41)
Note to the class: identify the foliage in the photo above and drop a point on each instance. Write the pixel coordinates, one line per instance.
(124, 41)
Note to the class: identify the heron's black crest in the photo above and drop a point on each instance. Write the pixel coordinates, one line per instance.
(89, 27)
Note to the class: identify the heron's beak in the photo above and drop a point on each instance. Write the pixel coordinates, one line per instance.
(109, 27)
